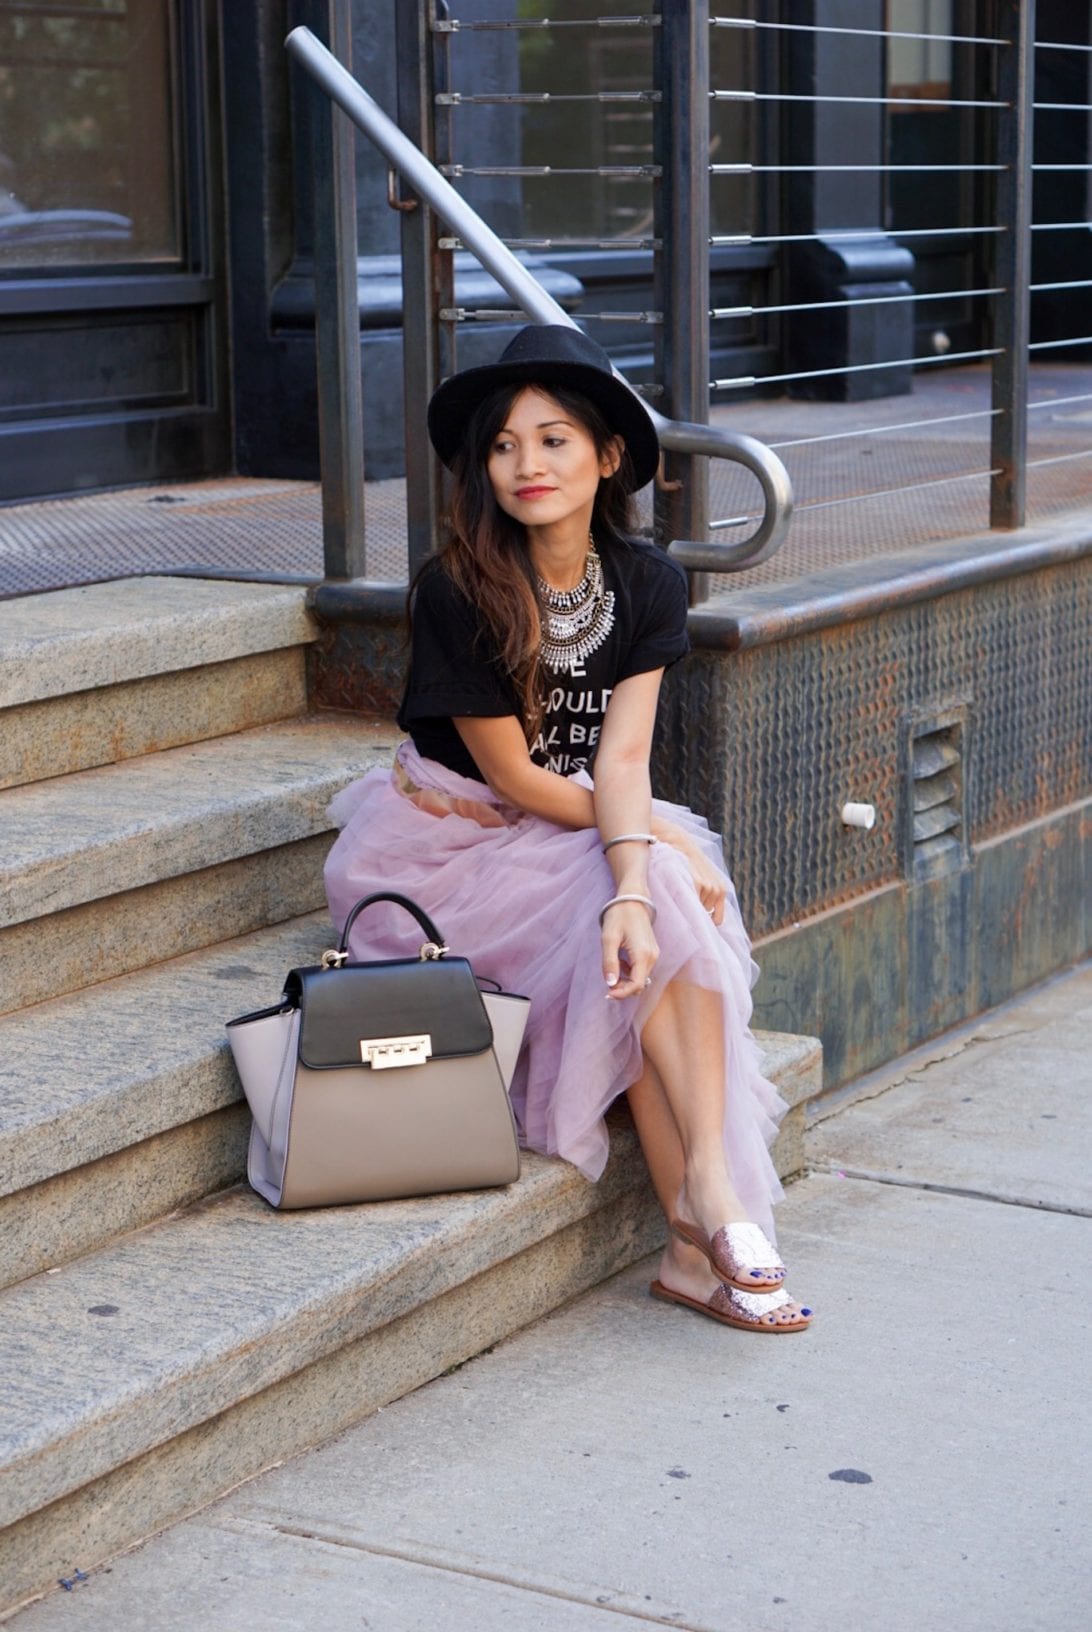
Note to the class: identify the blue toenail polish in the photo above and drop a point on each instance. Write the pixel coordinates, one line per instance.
(805, 1311)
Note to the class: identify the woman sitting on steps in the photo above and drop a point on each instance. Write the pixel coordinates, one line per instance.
(540, 633)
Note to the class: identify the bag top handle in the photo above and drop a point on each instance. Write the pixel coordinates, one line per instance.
(425, 922)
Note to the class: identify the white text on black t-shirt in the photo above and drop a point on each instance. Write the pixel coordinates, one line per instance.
(572, 723)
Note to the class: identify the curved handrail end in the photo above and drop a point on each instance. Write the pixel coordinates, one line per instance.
(716, 443)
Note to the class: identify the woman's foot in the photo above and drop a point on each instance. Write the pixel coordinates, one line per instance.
(685, 1277)
(739, 1253)
(750, 1311)
(710, 1216)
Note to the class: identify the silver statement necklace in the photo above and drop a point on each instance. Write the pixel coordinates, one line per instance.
(577, 621)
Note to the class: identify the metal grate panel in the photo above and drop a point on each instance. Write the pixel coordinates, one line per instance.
(815, 721)
(258, 527)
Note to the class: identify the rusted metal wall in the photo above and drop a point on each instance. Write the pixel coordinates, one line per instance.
(769, 742)
(358, 663)
(897, 966)
(875, 941)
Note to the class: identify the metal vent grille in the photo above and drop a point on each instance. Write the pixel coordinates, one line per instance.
(937, 841)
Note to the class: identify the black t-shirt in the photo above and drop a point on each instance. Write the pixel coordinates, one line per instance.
(455, 669)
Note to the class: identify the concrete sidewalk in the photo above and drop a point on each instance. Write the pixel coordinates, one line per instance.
(918, 1460)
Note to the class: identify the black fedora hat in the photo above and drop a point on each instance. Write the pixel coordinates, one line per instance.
(548, 354)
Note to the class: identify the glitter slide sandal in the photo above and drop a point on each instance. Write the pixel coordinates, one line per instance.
(739, 1253)
(750, 1311)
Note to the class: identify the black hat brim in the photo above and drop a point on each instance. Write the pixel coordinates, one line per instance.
(456, 400)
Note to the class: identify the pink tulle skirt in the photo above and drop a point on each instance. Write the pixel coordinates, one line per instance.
(520, 897)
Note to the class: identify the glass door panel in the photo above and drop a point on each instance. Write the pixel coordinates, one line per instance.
(89, 161)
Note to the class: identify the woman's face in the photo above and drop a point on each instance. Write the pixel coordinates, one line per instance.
(544, 466)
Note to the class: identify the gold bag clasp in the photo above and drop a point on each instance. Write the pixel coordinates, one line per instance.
(384, 1053)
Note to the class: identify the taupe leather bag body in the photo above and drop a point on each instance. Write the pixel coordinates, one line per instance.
(369, 1081)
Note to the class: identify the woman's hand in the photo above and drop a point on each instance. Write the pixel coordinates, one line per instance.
(709, 881)
(629, 949)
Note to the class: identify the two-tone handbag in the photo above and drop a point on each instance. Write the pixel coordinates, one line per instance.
(369, 1081)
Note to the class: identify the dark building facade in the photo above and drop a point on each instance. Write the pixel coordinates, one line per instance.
(156, 281)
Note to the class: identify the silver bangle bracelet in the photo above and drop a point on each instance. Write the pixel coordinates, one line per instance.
(616, 900)
(626, 838)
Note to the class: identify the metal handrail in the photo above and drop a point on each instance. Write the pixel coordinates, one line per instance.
(524, 289)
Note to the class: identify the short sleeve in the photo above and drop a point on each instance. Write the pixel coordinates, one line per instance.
(660, 599)
(453, 669)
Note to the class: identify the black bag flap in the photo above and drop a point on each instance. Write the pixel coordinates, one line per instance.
(368, 1002)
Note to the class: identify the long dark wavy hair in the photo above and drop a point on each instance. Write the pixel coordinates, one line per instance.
(485, 552)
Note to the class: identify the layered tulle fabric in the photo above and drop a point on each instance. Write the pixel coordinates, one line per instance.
(520, 898)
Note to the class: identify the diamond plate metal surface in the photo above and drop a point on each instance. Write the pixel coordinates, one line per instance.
(230, 525)
(770, 742)
(249, 526)
(887, 462)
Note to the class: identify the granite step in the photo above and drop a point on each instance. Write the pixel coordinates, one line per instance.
(121, 1103)
(111, 671)
(108, 869)
(121, 1415)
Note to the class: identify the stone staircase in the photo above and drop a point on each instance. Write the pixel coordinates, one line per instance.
(164, 1334)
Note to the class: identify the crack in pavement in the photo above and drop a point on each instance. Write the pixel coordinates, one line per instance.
(844, 1099)
(967, 1191)
(409, 1555)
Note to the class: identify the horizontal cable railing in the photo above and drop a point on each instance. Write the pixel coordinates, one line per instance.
(859, 101)
(868, 33)
(1059, 458)
(487, 314)
(564, 246)
(887, 430)
(1066, 340)
(746, 169)
(843, 234)
(1005, 96)
(534, 301)
(737, 381)
(494, 25)
(976, 298)
(1060, 402)
(863, 300)
(1010, 102)
(613, 172)
(534, 99)
(809, 505)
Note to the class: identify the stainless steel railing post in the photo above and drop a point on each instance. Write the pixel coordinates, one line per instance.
(337, 317)
(682, 265)
(423, 269)
(1012, 312)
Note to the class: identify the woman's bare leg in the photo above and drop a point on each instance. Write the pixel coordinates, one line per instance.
(684, 1040)
(683, 1268)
